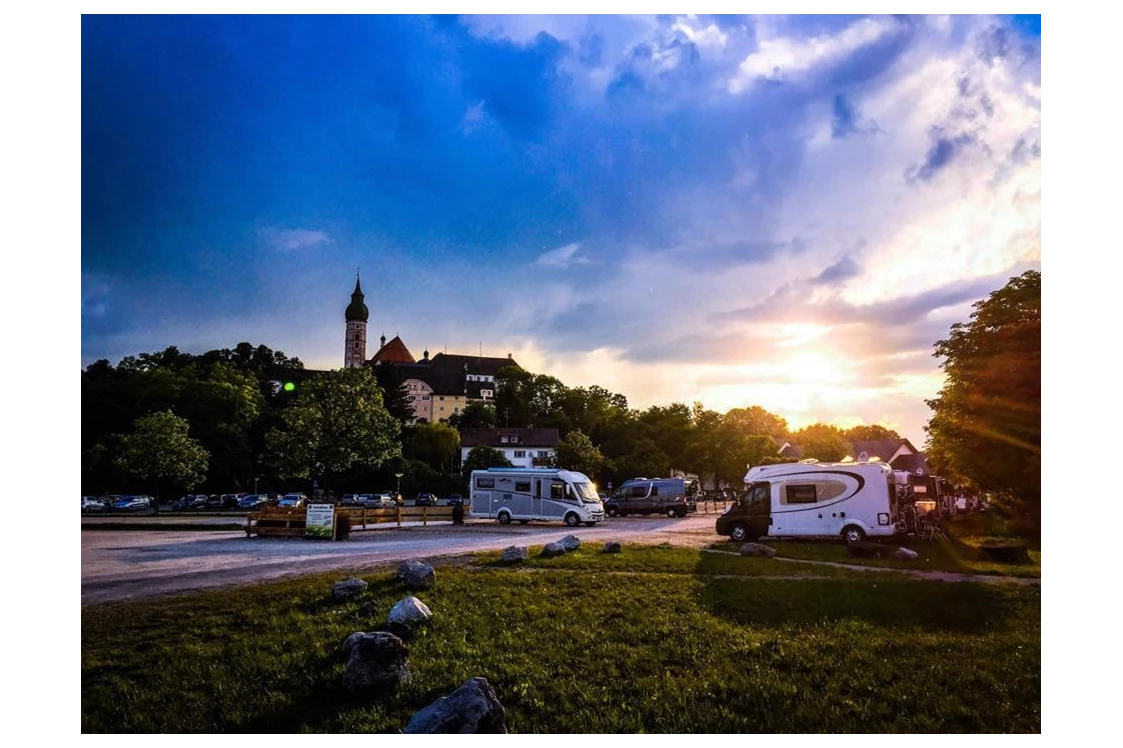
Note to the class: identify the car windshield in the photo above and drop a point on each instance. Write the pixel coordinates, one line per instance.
(586, 492)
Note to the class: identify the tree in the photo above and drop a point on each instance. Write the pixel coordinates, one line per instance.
(577, 452)
(435, 444)
(337, 423)
(482, 458)
(395, 395)
(159, 452)
(985, 430)
(872, 433)
(474, 415)
(756, 420)
(822, 442)
(645, 460)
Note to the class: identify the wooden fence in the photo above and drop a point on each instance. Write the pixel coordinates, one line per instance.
(276, 521)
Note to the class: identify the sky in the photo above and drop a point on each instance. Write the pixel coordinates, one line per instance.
(742, 210)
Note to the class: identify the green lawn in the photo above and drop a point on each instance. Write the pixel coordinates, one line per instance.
(683, 642)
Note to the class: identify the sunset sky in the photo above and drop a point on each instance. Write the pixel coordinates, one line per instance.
(775, 211)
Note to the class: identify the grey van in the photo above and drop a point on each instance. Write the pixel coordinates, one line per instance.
(673, 497)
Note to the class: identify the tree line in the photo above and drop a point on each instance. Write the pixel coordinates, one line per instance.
(253, 418)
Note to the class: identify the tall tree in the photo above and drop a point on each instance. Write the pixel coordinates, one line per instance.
(872, 433)
(435, 444)
(474, 415)
(577, 452)
(395, 395)
(337, 423)
(756, 420)
(985, 429)
(822, 442)
(160, 453)
(482, 458)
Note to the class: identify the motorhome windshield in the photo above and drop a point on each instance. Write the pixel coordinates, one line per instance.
(586, 492)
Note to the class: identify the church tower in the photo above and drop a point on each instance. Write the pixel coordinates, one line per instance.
(355, 343)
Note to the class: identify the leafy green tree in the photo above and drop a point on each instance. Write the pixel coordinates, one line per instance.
(482, 458)
(872, 433)
(822, 442)
(395, 395)
(575, 451)
(739, 452)
(645, 460)
(435, 444)
(337, 423)
(670, 427)
(985, 430)
(756, 420)
(474, 415)
(160, 453)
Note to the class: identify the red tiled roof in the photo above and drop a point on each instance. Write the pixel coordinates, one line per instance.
(395, 352)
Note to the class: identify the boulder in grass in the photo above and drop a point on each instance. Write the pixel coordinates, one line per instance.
(552, 549)
(570, 542)
(472, 708)
(612, 547)
(906, 554)
(416, 575)
(515, 554)
(406, 615)
(377, 661)
(756, 549)
(347, 589)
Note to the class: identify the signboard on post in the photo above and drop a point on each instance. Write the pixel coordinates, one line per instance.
(319, 521)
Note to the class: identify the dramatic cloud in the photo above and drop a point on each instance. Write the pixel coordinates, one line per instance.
(783, 211)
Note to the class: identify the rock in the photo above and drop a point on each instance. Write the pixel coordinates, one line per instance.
(407, 614)
(552, 549)
(376, 661)
(906, 554)
(416, 575)
(472, 708)
(347, 589)
(515, 554)
(570, 542)
(756, 549)
(612, 547)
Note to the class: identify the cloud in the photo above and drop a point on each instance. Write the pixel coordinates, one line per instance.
(777, 58)
(841, 271)
(288, 240)
(563, 257)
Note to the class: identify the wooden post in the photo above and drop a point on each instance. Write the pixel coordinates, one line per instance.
(399, 511)
(364, 516)
(425, 516)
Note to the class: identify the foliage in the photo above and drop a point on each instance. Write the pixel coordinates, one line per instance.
(435, 444)
(577, 452)
(645, 460)
(691, 643)
(821, 441)
(482, 458)
(159, 451)
(338, 422)
(395, 395)
(985, 430)
(474, 415)
(873, 433)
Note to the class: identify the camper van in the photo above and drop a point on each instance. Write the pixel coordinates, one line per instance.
(671, 496)
(851, 499)
(539, 494)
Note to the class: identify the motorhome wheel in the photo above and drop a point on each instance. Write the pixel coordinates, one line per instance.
(738, 532)
(504, 518)
(672, 512)
(853, 534)
(572, 520)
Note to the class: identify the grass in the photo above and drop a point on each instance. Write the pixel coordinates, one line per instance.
(671, 647)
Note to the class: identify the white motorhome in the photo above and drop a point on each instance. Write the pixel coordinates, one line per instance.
(851, 499)
(526, 494)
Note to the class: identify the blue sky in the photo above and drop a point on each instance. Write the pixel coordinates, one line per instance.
(783, 211)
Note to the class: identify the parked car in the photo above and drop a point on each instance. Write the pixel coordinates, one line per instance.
(349, 499)
(190, 501)
(90, 504)
(132, 504)
(377, 501)
(253, 501)
(293, 500)
(425, 499)
(454, 500)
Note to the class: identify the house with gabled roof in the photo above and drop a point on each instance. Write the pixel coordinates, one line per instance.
(523, 447)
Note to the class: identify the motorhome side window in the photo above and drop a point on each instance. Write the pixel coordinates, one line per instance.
(800, 493)
(485, 482)
(522, 486)
(654, 489)
(637, 492)
(760, 494)
(557, 490)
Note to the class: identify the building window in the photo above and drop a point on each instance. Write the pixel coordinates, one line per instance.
(502, 440)
(543, 453)
(520, 453)
(442, 398)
